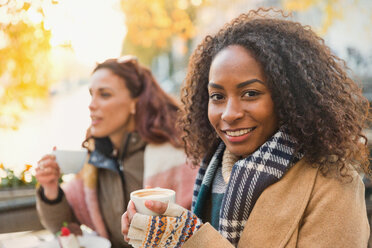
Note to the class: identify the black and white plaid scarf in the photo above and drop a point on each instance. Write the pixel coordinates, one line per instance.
(249, 178)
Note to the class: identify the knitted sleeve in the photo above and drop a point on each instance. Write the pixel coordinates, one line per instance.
(172, 229)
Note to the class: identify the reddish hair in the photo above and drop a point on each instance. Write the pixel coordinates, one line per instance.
(156, 111)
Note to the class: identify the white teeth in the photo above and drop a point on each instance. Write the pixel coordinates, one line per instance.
(239, 132)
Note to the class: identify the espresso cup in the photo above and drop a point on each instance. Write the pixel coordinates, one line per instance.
(157, 194)
(70, 161)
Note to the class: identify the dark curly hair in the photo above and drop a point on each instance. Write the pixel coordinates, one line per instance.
(313, 95)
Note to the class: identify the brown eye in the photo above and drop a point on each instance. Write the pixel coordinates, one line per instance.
(105, 95)
(216, 97)
(251, 93)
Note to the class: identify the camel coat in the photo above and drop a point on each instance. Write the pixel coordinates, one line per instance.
(303, 209)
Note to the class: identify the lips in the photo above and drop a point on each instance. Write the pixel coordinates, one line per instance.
(238, 135)
(240, 132)
(95, 120)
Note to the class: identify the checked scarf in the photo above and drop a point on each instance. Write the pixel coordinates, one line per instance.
(249, 178)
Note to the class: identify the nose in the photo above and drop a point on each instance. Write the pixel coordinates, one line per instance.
(232, 111)
(93, 104)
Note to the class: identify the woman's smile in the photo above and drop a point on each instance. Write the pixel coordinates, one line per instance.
(238, 135)
(240, 106)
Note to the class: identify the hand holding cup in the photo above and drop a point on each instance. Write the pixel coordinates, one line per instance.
(47, 174)
(142, 196)
(51, 166)
(152, 201)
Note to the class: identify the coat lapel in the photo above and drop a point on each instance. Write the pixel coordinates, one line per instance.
(278, 211)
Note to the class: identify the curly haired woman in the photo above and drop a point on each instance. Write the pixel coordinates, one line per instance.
(278, 123)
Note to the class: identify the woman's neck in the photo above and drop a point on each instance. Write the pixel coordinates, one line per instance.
(117, 140)
(118, 136)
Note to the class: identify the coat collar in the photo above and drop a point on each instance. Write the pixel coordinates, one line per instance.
(132, 143)
(280, 208)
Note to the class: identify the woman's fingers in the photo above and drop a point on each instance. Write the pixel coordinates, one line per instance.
(48, 161)
(48, 175)
(47, 164)
(47, 157)
(131, 209)
(126, 219)
(47, 171)
(156, 206)
(125, 226)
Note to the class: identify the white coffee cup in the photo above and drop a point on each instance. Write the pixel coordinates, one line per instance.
(70, 161)
(157, 194)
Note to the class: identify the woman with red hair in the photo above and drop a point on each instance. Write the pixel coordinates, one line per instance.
(133, 142)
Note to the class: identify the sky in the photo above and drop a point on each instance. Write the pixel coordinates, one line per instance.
(95, 28)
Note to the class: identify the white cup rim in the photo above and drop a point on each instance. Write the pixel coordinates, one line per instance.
(139, 201)
(132, 194)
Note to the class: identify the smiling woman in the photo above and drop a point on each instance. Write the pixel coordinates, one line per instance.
(240, 106)
(277, 125)
(283, 116)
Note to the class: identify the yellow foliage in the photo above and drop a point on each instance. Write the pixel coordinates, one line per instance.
(24, 65)
(301, 5)
(153, 25)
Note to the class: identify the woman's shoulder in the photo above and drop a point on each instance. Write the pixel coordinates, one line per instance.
(331, 177)
(325, 188)
(345, 192)
(335, 204)
(315, 204)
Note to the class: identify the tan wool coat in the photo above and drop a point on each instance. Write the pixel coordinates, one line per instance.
(304, 209)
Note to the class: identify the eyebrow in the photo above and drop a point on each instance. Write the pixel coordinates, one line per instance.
(251, 81)
(102, 89)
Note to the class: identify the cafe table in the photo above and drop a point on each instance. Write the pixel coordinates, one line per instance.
(44, 238)
(29, 239)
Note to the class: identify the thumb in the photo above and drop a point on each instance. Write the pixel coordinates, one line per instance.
(156, 206)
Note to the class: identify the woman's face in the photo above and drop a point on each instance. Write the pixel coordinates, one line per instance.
(240, 107)
(111, 107)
